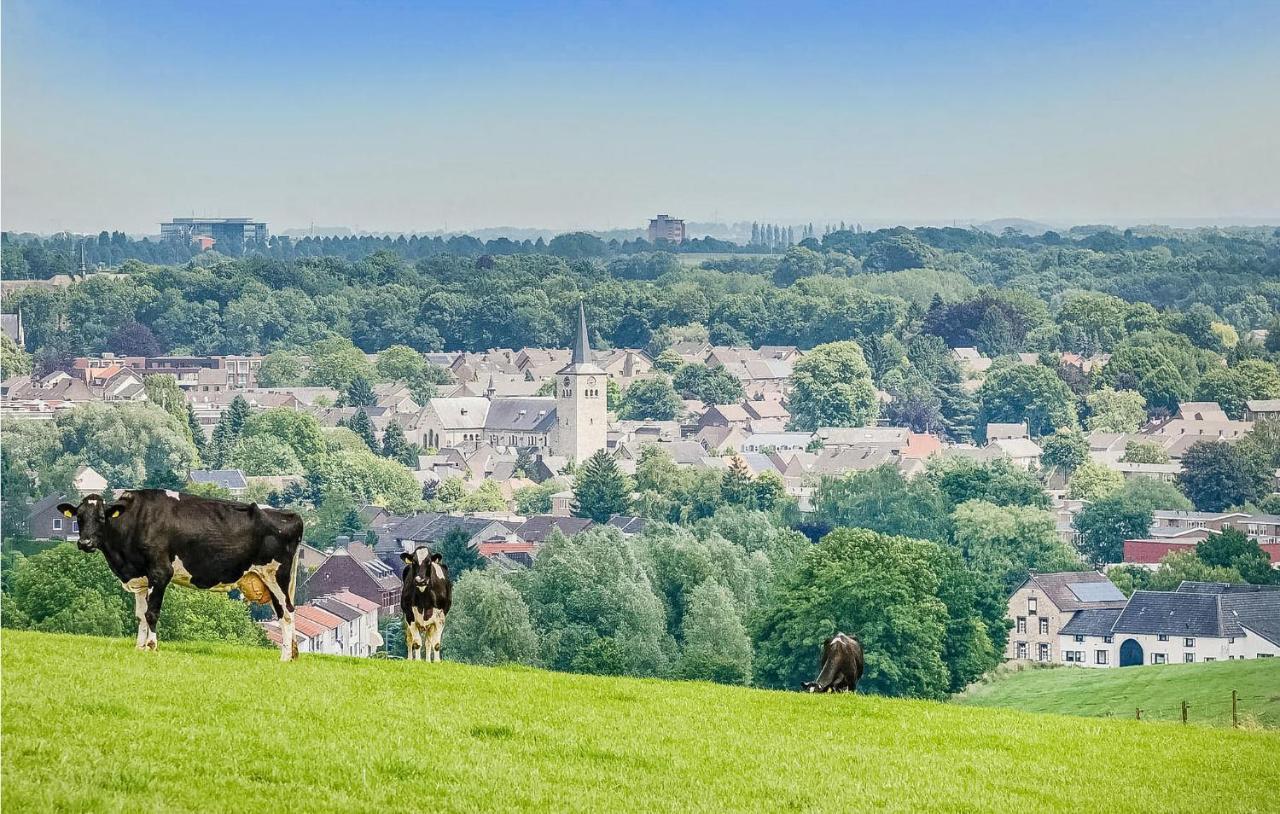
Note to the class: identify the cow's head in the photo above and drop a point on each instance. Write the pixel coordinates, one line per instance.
(423, 569)
(92, 515)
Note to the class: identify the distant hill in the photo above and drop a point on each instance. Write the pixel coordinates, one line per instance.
(1027, 227)
(91, 725)
(1158, 690)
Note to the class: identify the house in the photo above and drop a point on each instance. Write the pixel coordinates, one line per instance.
(325, 639)
(562, 503)
(1022, 452)
(894, 439)
(355, 568)
(780, 441)
(1173, 531)
(358, 632)
(997, 431)
(1044, 603)
(541, 526)
(628, 524)
(43, 521)
(232, 480)
(725, 415)
(1196, 623)
(1262, 410)
(86, 481)
(971, 360)
(430, 529)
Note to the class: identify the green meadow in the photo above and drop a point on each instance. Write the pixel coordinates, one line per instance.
(1157, 690)
(92, 725)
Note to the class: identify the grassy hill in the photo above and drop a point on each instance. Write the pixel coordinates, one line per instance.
(90, 724)
(1158, 690)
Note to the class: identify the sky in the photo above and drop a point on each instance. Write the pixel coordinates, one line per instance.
(406, 116)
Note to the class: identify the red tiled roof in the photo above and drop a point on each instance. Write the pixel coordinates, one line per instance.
(321, 617)
(354, 600)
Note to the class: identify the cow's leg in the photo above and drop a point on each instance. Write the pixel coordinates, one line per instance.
(287, 579)
(437, 633)
(410, 643)
(282, 604)
(140, 611)
(159, 581)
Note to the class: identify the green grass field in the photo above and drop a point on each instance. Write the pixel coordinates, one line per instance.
(91, 725)
(1158, 690)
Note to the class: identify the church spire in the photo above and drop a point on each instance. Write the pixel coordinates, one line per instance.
(582, 346)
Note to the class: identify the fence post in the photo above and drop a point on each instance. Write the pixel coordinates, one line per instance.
(1139, 713)
(1235, 721)
(1184, 712)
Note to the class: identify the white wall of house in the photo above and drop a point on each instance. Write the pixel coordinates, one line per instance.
(1171, 650)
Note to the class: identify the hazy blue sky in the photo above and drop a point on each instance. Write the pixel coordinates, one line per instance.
(403, 116)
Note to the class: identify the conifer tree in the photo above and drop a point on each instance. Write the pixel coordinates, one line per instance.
(601, 490)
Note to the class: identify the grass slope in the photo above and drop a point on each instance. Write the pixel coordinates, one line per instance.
(90, 724)
(1158, 690)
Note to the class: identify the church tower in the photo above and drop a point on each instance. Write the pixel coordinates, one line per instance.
(582, 420)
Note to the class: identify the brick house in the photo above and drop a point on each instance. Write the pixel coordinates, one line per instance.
(1044, 603)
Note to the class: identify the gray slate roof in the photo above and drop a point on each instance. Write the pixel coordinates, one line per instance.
(1091, 622)
(226, 478)
(534, 414)
(1175, 614)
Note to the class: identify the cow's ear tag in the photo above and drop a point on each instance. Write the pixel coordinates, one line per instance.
(115, 513)
(67, 512)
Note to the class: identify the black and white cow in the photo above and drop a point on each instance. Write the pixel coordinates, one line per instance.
(842, 662)
(151, 537)
(425, 597)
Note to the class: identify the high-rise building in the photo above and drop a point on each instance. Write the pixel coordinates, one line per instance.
(582, 413)
(666, 228)
(228, 234)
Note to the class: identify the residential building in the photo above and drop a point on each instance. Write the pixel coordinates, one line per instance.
(233, 480)
(667, 229)
(1262, 410)
(357, 569)
(86, 481)
(43, 521)
(358, 632)
(228, 234)
(1044, 603)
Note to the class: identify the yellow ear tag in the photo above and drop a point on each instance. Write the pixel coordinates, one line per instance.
(115, 513)
(68, 513)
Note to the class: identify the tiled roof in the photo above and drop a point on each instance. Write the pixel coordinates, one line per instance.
(1091, 622)
(534, 414)
(340, 609)
(226, 478)
(539, 527)
(628, 524)
(1176, 614)
(356, 601)
(1191, 587)
(1057, 587)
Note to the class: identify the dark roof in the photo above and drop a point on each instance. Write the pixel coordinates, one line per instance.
(1091, 622)
(430, 527)
(539, 527)
(339, 609)
(1257, 610)
(1058, 588)
(582, 343)
(1190, 586)
(628, 524)
(47, 503)
(386, 576)
(1176, 614)
(525, 414)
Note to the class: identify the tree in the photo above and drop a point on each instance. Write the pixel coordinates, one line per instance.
(650, 400)
(162, 390)
(227, 432)
(299, 430)
(1215, 476)
(1093, 481)
(716, 645)
(336, 362)
(737, 485)
(359, 393)
(710, 385)
(401, 363)
(487, 498)
(1104, 525)
(1232, 549)
(280, 369)
(360, 424)
(1028, 394)
(882, 588)
(536, 499)
(14, 361)
(131, 445)
(489, 622)
(593, 606)
(1175, 568)
(1144, 452)
(831, 387)
(1000, 482)
(668, 361)
(1115, 410)
(263, 455)
(134, 339)
(1065, 450)
(196, 431)
(458, 553)
(600, 489)
(394, 444)
(1007, 542)
(1232, 387)
(882, 500)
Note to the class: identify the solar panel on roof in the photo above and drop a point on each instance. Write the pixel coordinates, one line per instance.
(1096, 592)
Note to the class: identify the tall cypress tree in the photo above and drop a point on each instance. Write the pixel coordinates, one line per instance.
(197, 432)
(363, 427)
(394, 443)
(601, 489)
(360, 393)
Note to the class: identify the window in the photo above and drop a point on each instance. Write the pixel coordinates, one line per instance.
(1188, 658)
(57, 524)
(1210, 659)
(75, 526)
(1099, 657)
(1157, 658)
(1073, 657)
(1260, 655)
(1107, 639)
(1022, 650)
(1031, 606)
(1044, 626)
(1043, 652)
(1078, 638)
(1231, 640)
(1022, 624)
(1164, 637)
(1188, 642)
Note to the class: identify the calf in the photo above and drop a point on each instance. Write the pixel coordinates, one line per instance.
(425, 598)
(841, 665)
(151, 537)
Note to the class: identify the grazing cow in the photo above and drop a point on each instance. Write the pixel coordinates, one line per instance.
(425, 598)
(151, 537)
(841, 665)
